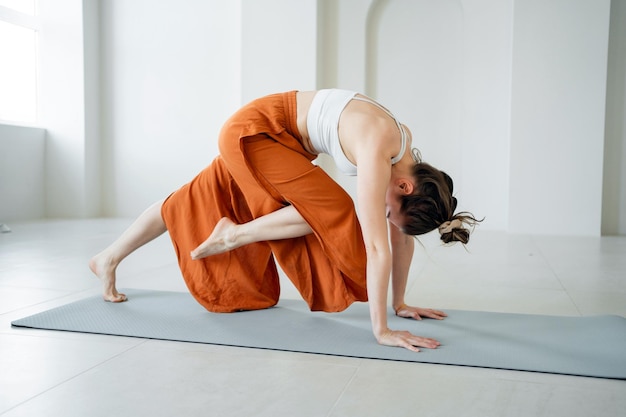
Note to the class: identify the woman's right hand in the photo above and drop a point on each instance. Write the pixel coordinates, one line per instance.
(402, 338)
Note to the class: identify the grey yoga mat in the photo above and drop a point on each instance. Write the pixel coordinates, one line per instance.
(587, 346)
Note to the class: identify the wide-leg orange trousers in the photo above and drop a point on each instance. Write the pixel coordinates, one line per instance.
(263, 167)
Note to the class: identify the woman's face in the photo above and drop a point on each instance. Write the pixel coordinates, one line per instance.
(392, 208)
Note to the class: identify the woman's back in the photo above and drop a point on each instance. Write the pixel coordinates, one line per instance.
(340, 123)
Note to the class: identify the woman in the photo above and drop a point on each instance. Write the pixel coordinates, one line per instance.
(262, 199)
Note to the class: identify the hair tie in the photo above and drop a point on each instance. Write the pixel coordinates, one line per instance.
(447, 227)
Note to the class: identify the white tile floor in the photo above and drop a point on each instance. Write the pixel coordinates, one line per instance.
(44, 373)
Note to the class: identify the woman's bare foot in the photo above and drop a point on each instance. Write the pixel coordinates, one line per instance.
(105, 270)
(222, 240)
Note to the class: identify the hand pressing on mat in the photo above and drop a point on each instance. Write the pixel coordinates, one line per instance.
(418, 313)
(402, 338)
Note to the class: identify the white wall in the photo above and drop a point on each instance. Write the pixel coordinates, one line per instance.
(483, 181)
(22, 190)
(614, 190)
(444, 69)
(557, 125)
(474, 79)
(170, 77)
(278, 46)
(91, 53)
(71, 177)
(417, 70)
(167, 92)
(71, 174)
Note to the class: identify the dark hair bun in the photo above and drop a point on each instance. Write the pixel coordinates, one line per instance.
(459, 234)
(454, 230)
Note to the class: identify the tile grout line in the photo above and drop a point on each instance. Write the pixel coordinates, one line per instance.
(545, 258)
(343, 391)
(72, 377)
(51, 300)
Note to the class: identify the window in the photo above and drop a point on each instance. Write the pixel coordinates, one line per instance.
(18, 61)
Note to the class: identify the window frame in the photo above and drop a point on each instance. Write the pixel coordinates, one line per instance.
(31, 22)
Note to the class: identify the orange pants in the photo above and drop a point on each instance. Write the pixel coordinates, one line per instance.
(263, 167)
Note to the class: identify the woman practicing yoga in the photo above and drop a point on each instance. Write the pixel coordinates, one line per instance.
(262, 200)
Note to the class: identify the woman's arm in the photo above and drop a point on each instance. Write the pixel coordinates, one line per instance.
(372, 180)
(374, 173)
(402, 247)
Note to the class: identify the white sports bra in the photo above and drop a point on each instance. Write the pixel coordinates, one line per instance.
(323, 126)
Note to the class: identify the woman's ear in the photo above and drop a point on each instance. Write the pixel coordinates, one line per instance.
(406, 186)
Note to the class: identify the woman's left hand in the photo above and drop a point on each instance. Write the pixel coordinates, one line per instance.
(417, 313)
